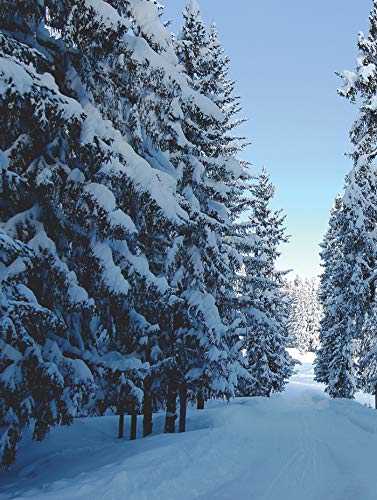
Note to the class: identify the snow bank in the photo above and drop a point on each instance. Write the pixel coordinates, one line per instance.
(294, 446)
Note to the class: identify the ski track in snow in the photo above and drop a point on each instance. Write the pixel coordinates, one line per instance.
(298, 445)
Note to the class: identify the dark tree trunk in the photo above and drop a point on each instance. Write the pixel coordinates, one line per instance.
(182, 407)
(375, 396)
(171, 408)
(121, 426)
(133, 425)
(147, 408)
(200, 400)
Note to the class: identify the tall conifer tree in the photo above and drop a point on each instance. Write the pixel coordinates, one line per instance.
(210, 184)
(262, 299)
(77, 290)
(334, 365)
(353, 263)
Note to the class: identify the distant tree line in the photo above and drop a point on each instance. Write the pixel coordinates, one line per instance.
(304, 313)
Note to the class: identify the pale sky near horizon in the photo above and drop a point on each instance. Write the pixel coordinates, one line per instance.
(284, 58)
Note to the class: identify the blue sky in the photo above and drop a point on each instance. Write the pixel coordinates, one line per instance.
(284, 57)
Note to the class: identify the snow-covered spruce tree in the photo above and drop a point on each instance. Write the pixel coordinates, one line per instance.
(41, 301)
(304, 313)
(330, 254)
(137, 86)
(73, 271)
(361, 88)
(262, 298)
(205, 261)
(335, 364)
(354, 263)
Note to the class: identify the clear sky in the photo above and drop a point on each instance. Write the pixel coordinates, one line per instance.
(284, 57)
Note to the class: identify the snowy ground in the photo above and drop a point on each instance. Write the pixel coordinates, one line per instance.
(295, 446)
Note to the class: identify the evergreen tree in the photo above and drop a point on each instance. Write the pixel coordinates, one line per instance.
(262, 298)
(360, 87)
(334, 364)
(352, 266)
(204, 261)
(330, 254)
(44, 312)
(77, 290)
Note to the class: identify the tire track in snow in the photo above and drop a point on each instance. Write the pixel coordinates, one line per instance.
(275, 482)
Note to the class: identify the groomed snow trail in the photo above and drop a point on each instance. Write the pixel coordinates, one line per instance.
(296, 446)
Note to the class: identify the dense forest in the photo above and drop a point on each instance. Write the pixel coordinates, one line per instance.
(138, 249)
(140, 271)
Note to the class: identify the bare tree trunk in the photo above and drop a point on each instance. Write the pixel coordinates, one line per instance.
(375, 397)
(121, 426)
(133, 425)
(171, 408)
(147, 408)
(200, 400)
(182, 407)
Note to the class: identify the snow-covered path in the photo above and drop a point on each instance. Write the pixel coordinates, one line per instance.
(295, 446)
